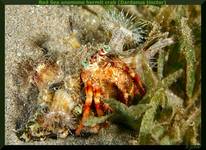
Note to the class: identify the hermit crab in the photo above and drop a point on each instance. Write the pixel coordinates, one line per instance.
(106, 73)
(106, 76)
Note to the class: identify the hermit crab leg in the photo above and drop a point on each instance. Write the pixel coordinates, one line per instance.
(107, 108)
(97, 100)
(88, 102)
(136, 79)
(87, 105)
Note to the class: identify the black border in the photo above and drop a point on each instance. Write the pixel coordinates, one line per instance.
(168, 2)
(2, 76)
(203, 63)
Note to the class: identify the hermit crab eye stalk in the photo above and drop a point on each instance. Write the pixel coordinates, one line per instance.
(85, 63)
(107, 48)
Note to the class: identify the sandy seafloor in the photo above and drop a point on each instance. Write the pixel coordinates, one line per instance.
(21, 23)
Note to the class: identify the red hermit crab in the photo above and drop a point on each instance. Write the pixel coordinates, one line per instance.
(106, 76)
